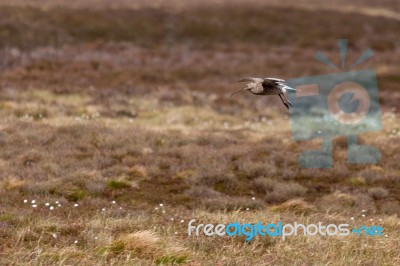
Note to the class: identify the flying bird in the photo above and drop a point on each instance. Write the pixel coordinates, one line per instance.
(268, 86)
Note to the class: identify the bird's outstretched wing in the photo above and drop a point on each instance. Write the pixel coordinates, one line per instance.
(251, 80)
(275, 79)
(270, 82)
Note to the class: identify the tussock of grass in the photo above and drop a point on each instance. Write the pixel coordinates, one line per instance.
(294, 205)
(144, 243)
(13, 184)
(123, 117)
(378, 192)
(172, 259)
(341, 199)
(147, 245)
(118, 184)
(276, 191)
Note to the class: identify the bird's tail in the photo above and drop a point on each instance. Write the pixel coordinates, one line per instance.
(290, 89)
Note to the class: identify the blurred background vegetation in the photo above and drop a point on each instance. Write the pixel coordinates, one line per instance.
(128, 101)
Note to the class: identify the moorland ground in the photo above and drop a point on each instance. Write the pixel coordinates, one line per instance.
(119, 116)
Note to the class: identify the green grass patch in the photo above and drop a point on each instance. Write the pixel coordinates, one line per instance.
(117, 184)
(172, 259)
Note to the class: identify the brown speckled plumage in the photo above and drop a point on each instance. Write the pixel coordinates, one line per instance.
(267, 86)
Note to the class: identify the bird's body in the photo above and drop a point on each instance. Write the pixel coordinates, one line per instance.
(268, 86)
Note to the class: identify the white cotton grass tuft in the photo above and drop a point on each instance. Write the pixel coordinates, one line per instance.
(113, 202)
(33, 201)
(51, 208)
(54, 235)
(76, 205)
(76, 242)
(25, 201)
(161, 204)
(34, 205)
(253, 198)
(47, 204)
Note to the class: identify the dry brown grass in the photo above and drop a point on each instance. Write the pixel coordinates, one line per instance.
(125, 113)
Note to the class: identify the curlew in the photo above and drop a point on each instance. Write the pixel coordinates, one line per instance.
(267, 86)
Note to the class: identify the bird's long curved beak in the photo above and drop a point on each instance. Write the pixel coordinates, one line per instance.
(239, 91)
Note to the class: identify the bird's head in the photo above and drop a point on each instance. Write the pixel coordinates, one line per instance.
(250, 84)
